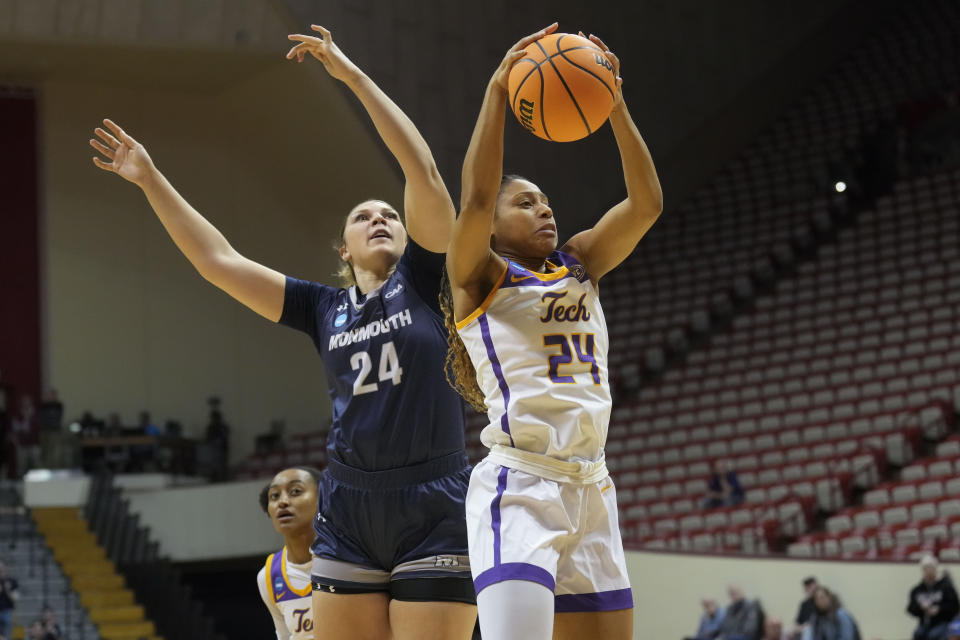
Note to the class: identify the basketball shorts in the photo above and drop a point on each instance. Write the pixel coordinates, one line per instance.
(400, 531)
(564, 536)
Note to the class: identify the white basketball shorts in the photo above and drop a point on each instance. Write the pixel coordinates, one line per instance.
(563, 536)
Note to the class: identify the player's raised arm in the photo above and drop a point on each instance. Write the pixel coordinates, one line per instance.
(427, 206)
(252, 284)
(470, 259)
(617, 233)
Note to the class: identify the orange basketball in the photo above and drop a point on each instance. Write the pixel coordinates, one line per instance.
(563, 89)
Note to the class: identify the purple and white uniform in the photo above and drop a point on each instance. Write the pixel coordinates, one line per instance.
(541, 506)
(285, 590)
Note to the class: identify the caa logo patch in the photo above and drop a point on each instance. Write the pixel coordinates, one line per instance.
(340, 320)
(394, 291)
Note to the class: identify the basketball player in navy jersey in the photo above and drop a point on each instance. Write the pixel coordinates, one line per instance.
(390, 555)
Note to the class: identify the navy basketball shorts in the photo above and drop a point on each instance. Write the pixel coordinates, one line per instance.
(402, 532)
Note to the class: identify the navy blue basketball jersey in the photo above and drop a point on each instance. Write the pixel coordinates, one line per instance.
(384, 358)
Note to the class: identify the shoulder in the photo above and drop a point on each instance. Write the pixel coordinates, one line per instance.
(311, 289)
(565, 258)
(263, 586)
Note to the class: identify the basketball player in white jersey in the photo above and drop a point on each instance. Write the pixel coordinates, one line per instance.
(545, 548)
(290, 500)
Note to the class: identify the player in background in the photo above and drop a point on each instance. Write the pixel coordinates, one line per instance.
(390, 556)
(290, 501)
(545, 547)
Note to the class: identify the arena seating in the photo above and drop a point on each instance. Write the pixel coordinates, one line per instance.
(905, 519)
(843, 370)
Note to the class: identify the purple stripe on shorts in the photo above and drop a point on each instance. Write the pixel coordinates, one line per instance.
(498, 372)
(514, 571)
(582, 602)
(495, 514)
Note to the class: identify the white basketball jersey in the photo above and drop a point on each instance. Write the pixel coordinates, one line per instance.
(539, 345)
(286, 590)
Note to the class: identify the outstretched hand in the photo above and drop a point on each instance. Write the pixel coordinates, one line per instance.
(128, 158)
(323, 49)
(515, 53)
(614, 60)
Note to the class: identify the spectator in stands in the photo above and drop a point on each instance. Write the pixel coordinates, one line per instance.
(710, 621)
(742, 618)
(50, 627)
(933, 602)
(114, 426)
(146, 426)
(773, 630)
(218, 438)
(9, 594)
(51, 412)
(829, 620)
(38, 631)
(806, 607)
(724, 488)
(23, 434)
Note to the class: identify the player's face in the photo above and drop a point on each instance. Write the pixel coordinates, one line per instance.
(524, 224)
(292, 500)
(373, 236)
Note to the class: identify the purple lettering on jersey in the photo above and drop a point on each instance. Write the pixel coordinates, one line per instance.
(561, 312)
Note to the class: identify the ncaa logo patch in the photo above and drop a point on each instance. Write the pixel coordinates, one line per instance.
(340, 320)
(278, 586)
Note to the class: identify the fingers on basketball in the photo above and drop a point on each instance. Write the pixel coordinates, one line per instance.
(564, 88)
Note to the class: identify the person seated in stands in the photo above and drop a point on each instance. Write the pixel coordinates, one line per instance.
(38, 631)
(829, 621)
(933, 602)
(742, 618)
(114, 426)
(50, 625)
(724, 489)
(146, 425)
(805, 611)
(773, 630)
(710, 621)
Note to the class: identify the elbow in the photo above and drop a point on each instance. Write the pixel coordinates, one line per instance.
(212, 268)
(425, 172)
(655, 204)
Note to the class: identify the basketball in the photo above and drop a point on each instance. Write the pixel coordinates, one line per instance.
(563, 89)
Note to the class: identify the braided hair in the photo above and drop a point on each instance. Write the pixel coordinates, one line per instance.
(459, 369)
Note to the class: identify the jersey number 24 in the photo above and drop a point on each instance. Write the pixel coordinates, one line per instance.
(389, 369)
(582, 345)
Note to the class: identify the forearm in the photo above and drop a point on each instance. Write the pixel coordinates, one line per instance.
(197, 239)
(639, 173)
(483, 163)
(396, 129)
